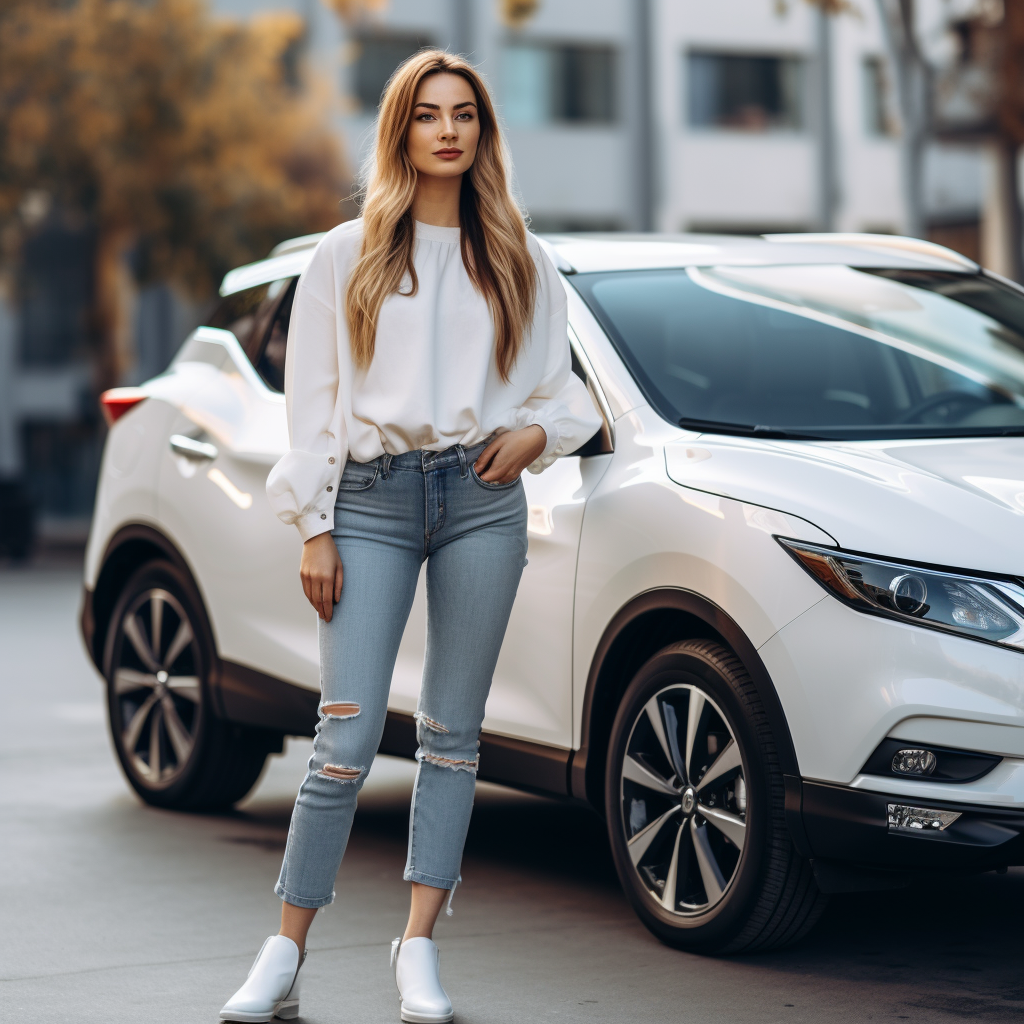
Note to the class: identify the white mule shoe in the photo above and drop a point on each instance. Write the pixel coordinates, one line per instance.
(418, 974)
(272, 987)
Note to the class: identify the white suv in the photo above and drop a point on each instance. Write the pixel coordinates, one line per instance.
(772, 625)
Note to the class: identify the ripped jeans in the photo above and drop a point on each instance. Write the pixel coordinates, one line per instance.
(391, 515)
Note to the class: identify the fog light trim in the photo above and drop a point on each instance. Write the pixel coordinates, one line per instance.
(914, 761)
(956, 766)
(903, 818)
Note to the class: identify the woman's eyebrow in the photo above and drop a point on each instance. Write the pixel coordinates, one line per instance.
(435, 106)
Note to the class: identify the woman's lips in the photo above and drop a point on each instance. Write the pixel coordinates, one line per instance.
(448, 154)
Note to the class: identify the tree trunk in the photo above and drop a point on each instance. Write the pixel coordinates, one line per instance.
(1001, 211)
(114, 308)
(913, 90)
(1010, 119)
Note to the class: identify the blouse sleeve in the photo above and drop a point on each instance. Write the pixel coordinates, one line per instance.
(560, 403)
(302, 486)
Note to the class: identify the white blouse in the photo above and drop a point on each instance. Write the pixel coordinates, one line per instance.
(433, 381)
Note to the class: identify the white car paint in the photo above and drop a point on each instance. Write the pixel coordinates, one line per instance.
(669, 508)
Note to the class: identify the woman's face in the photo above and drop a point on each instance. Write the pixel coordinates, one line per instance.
(445, 126)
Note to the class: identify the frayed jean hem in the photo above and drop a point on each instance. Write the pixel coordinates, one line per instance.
(302, 901)
(432, 880)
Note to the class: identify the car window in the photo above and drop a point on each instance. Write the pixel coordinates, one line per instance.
(258, 317)
(269, 360)
(238, 313)
(821, 351)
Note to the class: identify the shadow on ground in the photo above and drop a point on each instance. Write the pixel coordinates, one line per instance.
(955, 940)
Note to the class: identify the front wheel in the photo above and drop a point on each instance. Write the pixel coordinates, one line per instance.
(695, 804)
(159, 655)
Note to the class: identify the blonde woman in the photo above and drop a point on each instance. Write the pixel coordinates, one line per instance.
(428, 366)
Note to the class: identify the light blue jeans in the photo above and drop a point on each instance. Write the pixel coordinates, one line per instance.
(391, 515)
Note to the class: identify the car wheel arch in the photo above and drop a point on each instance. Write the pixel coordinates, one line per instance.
(642, 627)
(132, 546)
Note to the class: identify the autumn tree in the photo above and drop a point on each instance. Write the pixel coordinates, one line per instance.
(189, 143)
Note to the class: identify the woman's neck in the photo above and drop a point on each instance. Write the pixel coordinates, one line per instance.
(436, 200)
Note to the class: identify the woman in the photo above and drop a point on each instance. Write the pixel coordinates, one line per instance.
(428, 358)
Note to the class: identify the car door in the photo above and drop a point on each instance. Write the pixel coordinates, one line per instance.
(229, 431)
(531, 695)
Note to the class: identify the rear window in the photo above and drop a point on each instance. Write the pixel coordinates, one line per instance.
(258, 317)
(239, 312)
(819, 351)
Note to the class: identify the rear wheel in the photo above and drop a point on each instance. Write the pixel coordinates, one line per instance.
(695, 805)
(173, 749)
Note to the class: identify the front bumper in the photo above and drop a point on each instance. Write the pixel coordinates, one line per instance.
(847, 680)
(851, 826)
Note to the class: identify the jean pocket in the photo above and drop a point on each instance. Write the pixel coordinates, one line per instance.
(358, 476)
(491, 487)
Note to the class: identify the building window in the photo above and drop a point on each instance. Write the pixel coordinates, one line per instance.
(546, 84)
(877, 93)
(55, 296)
(745, 92)
(376, 57)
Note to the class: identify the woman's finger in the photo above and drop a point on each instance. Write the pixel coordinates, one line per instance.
(485, 458)
(338, 578)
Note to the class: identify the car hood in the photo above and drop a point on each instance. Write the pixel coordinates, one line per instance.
(957, 502)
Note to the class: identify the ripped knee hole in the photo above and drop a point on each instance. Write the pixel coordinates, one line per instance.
(344, 709)
(340, 773)
(456, 764)
(429, 723)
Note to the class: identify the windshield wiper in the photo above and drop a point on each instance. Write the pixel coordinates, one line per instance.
(747, 430)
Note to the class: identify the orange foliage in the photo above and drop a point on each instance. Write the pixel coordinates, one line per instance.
(177, 135)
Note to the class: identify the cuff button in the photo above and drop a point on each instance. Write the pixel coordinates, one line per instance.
(330, 488)
(331, 460)
(323, 515)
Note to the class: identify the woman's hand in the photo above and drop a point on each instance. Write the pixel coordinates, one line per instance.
(320, 571)
(504, 459)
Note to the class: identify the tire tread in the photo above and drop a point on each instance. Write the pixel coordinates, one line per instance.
(786, 902)
(790, 902)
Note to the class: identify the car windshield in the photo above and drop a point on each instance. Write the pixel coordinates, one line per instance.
(822, 351)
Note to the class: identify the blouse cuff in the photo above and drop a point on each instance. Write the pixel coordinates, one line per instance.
(313, 524)
(553, 448)
(554, 445)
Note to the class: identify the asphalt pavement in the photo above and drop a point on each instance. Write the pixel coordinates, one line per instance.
(112, 911)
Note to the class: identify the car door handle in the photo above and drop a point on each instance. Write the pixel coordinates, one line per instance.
(191, 448)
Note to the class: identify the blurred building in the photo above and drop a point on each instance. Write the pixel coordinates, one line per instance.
(668, 115)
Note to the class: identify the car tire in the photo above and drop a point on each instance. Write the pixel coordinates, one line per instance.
(695, 806)
(159, 658)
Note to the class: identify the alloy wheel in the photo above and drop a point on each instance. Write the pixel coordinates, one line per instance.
(683, 799)
(156, 690)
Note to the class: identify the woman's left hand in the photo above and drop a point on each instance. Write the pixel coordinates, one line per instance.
(505, 458)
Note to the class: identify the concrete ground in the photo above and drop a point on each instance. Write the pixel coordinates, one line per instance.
(112, 911)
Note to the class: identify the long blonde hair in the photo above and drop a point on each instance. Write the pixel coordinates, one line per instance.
(493, 237)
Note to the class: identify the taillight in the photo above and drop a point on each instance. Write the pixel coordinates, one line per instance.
(117, 401)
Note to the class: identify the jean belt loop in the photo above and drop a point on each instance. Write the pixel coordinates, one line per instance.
(385, 465)
(463, 464)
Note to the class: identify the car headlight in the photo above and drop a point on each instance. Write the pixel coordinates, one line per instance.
(984, 609)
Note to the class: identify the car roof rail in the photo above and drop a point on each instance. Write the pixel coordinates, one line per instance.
(879, 243)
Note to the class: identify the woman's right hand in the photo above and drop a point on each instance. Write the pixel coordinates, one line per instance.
(320, 571)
